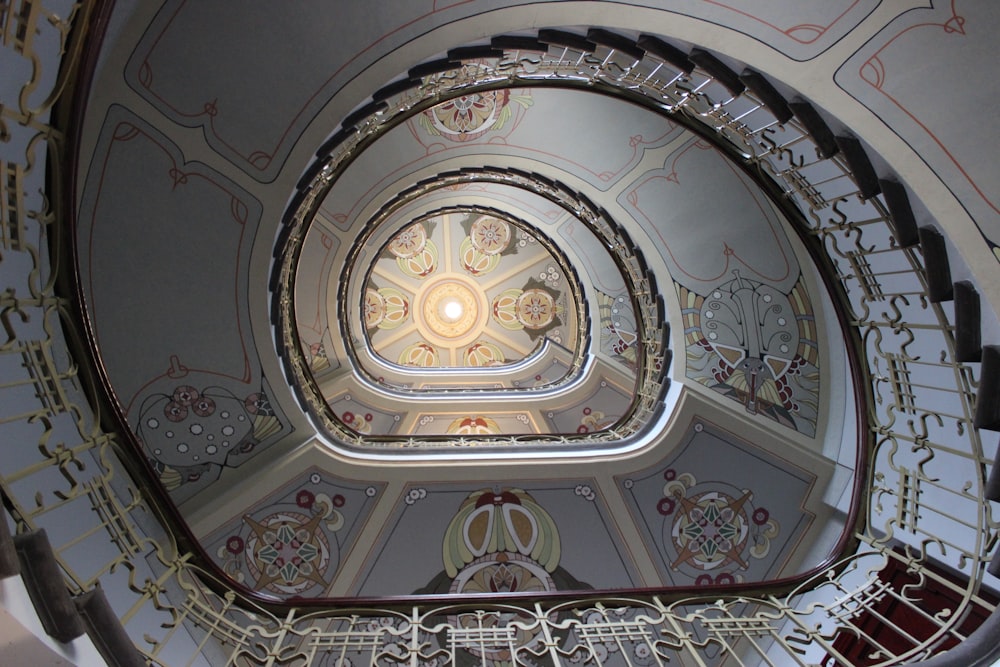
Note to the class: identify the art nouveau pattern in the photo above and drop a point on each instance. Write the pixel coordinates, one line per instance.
(293, 542)
(720, 510)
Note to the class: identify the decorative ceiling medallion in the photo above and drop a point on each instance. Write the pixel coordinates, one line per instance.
(451, 308)
(468, 289)
(385, 308)
(474, 426)
(489, 303)
(409, 242)
(288, 553)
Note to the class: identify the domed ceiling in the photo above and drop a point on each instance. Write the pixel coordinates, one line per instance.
(453, 323)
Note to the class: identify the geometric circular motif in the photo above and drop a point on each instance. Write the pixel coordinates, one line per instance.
(409, 242)
(374, 308)
(451, 312)
(535, 308)
(710, 530)
(490, 235)
(469, 116)
(449, 309)
(287, 552)
(446, 311)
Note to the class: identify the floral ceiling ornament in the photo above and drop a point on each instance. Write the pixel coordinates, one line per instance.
(711, 526)
(535, 308)
(619, 330)
(469, 117)
(385, 308)
(501, 541)
(290, 549)
(193, 429)
(483, 354)
(477, 425)
(427, 301)
(421, 355)
(487, 240)
(287, 552)
(416, 255)
(754, 344)
(510, 521)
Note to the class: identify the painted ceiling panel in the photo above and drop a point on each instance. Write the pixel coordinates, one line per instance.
(707, 233)
(256, 123)
(293, 542)
(720, 510)
(145, 197)
(175, 327)
(801, 31)
(541, 536)
(944, 37)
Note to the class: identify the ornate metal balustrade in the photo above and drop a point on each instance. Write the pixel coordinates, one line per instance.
(61, 459)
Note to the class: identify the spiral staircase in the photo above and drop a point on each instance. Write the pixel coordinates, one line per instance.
(494, 333)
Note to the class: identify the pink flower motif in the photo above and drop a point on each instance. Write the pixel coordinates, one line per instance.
(704, 580)
(669, 474)
(666, 506)
(204, 406)
(175, 412)
(185, 395)
(305, 499)
(338, 500)
(234, 545)
(760, 516)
